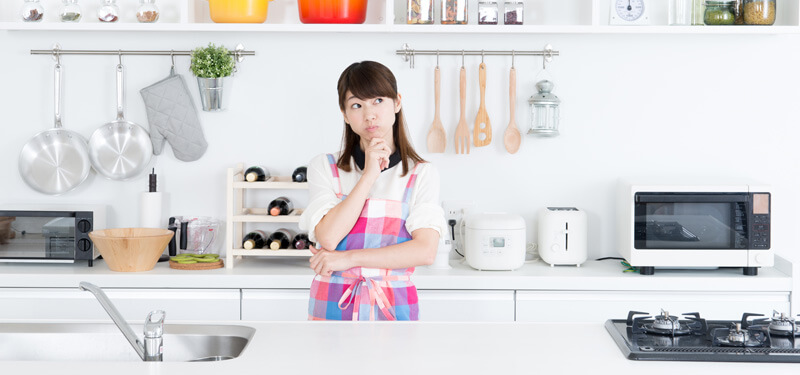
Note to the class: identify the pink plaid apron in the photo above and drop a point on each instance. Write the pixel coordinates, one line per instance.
(362, 293)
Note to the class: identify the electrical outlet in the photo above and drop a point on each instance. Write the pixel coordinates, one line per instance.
(456, 210)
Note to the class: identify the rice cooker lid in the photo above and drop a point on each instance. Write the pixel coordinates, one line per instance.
(495, 221)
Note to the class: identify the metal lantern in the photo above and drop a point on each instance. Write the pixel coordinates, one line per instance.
(544, 111)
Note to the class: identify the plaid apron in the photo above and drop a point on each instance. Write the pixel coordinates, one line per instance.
(362, 293)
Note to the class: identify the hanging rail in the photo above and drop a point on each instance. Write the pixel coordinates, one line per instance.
(409, 53)
(238, 52)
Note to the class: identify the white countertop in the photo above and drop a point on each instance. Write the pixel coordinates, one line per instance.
(415, 348)
(293, 273)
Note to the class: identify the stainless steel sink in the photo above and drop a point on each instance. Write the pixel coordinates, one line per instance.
(103, 342)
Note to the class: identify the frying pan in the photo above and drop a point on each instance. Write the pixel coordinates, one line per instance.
(120, 149)
(55, 161)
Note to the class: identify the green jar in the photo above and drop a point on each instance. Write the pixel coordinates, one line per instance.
(719, 13)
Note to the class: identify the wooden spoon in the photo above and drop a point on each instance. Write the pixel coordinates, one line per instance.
(482, 123)
(437, 140)
(462, 132)
(511, 138)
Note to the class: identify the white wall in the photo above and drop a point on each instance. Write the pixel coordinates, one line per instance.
(674, 105)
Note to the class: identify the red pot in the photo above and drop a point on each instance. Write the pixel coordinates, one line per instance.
(332, 11)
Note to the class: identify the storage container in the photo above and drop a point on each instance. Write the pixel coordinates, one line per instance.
(238, 11)
(719, 13)
(332, 11)
(759, 12)
(419, 12)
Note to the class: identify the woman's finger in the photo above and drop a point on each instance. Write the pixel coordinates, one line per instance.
(313, 249)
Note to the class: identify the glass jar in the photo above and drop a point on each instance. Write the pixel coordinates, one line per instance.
(454, 12)
(147, 12)
(487, 13)
(71, 11)
(759, 12)
(545, 114)
(680, 12)
(108, 12)
(420, 12)
(698, 12)
(512, 12)
(32, 11)
(738, 12)
(719, 13)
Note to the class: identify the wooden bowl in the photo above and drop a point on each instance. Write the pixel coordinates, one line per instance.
(131, 249)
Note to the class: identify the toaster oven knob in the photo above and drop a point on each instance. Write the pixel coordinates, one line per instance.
(84, 245)
(84, 226)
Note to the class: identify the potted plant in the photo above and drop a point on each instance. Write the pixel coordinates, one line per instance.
(212, 65)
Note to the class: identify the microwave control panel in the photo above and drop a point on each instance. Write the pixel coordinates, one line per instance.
(759, 221)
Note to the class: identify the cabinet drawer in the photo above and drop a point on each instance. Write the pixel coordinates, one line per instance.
(466, 305)
(275, 304)
(133, 304)
(595, 307)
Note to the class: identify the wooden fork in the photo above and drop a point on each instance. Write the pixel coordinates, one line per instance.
(462, 133)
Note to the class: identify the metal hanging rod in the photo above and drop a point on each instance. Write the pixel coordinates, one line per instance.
(409, 53)
(56, 51)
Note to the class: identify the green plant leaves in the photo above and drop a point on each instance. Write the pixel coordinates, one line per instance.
(211, 62)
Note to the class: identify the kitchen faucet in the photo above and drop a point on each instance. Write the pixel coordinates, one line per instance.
(153, 346)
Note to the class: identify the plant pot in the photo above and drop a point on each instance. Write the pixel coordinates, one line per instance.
(214, 95)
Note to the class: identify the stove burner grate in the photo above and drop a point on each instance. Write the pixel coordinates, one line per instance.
(720, 349)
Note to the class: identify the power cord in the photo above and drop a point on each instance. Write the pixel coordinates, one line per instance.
(452, 224)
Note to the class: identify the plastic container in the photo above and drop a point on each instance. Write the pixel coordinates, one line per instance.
(487, 13)
(332, 11)
(719, 13)
(419, 12)
(454, 12)
(513, 13)
(759, 12)
(238, 11)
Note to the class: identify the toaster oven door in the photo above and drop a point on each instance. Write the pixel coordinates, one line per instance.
(37, 237)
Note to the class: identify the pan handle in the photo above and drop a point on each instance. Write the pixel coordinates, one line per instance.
(57, 95)
(120, 93)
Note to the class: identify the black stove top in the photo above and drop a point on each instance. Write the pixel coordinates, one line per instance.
(665, 337)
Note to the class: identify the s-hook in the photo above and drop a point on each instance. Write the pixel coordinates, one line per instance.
(462, 58)
(512, 59)
(172, 57)
(437, 58)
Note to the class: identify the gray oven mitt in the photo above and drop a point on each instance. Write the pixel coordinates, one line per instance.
(173, 117)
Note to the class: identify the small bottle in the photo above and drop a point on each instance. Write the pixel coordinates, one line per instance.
(454, 12)
(300, 241)
(108, 12)
(280, 239)
(280, 206)
(147, 12)
(71, 11)
(487, 13)
(299, 174)
(254, 240)
(32, 11)
(420, 12)
(256, 173)
(513, 12)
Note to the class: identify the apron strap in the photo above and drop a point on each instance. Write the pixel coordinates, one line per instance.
(412, 180)
(335, 172)
(375, 293)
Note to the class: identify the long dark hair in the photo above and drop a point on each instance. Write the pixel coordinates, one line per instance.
(367, 80)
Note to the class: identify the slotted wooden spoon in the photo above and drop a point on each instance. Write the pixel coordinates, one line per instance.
(437, 139)
(511, 138)
(482, 124)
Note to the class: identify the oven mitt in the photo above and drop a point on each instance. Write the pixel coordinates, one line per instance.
(173, 117)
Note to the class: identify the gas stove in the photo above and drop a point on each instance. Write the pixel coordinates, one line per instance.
(665, 337)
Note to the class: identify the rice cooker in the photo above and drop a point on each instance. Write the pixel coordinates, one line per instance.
(494, 241)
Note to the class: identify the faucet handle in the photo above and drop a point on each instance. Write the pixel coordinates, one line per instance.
(154, 328)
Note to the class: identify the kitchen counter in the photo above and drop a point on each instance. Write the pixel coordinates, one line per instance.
(424, 348)
(293, 273)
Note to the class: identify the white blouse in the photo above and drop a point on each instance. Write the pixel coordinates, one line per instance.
(424, 211)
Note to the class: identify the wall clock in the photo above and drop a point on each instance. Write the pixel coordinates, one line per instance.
(629, 12)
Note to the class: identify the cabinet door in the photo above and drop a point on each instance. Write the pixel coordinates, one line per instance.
(586, 306)
(133, 304)
(466, 305)
(275, 304)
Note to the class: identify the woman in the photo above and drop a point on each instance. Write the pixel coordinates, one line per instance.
(374, 207)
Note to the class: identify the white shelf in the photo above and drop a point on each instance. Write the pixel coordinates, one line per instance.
(267, 252)
(259, 215)
(275, 182)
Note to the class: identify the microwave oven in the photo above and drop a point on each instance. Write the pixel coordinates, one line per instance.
(47, 234)
(695, 226)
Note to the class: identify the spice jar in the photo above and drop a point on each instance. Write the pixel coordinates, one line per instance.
(719, 13)
(420, 11)
(32, 11)
(759, 12)
(71, 11)
(454, 12)
(513, 12)
(147, 12)
(487, 13)
(108, 12)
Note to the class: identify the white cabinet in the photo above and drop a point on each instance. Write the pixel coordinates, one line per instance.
(274, 304)
(466, 305)
(133, 304)
(589, 306)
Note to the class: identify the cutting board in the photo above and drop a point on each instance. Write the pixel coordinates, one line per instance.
(196, 266)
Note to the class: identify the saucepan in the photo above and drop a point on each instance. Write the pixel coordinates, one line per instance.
(55, 161)
(120, 149)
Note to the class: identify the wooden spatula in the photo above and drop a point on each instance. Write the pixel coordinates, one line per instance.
(511, 138)
(462, 131)
(482, 133)
(437, 140)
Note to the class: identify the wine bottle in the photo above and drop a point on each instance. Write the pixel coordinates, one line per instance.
(301, 241)
(299, 174)
(280, 239)
(256, 173)
(254, 240)
(280, 206)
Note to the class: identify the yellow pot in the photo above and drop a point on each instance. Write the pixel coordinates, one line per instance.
(238, 11)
